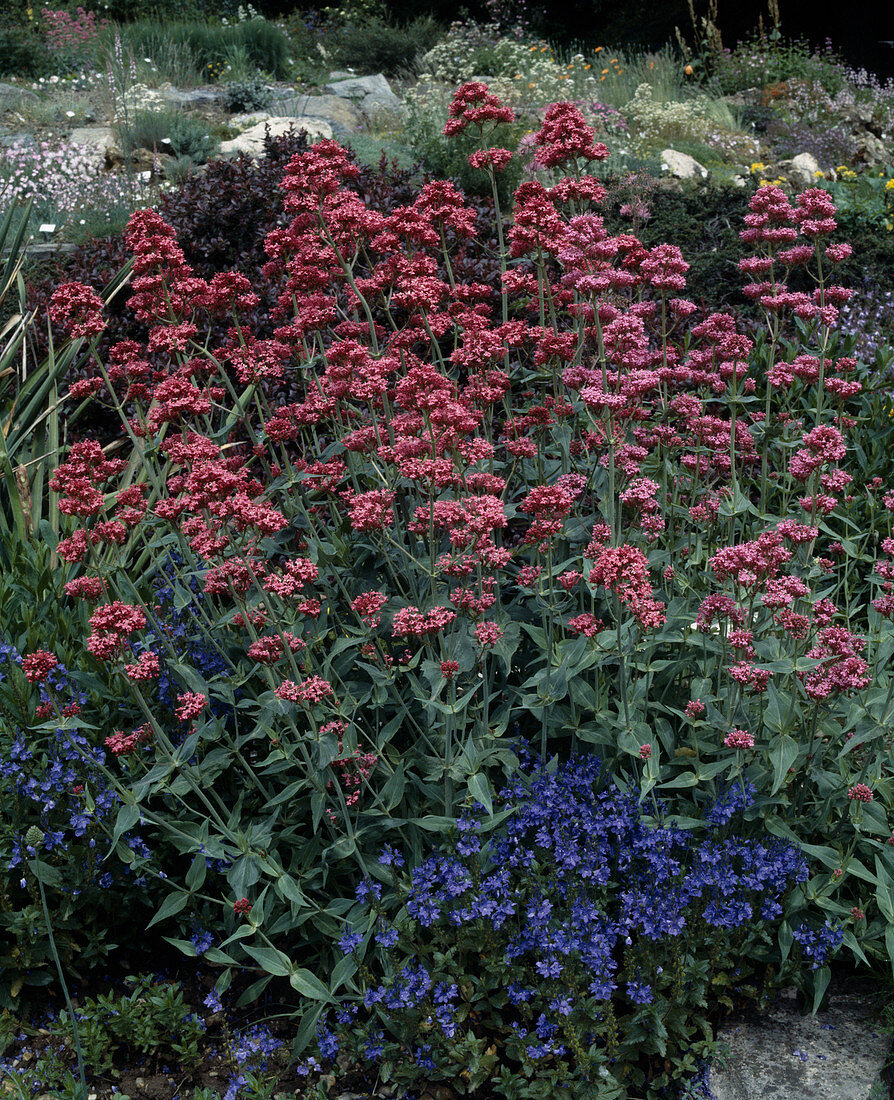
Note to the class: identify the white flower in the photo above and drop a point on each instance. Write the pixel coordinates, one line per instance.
(69, 114)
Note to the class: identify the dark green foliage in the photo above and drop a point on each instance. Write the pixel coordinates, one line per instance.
(23, 52)
(759, 62)
(377, 46)
(704, 221)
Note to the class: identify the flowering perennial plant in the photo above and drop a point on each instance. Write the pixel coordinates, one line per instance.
(425, 512)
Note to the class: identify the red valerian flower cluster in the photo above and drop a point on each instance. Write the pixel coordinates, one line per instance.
(77, 309)
(38, 665)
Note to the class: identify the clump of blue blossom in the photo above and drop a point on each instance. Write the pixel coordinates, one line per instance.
(564, 941)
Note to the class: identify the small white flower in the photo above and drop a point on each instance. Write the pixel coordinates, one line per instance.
(69, 114)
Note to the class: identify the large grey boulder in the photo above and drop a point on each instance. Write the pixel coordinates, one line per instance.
(779, 1054)
(801, 171)
(21, 140)
(11, 96)
(99, 136)
(359, 86)
(381, 106)
(251, 142)
(340, 113)
(681, 166)
(871, 150)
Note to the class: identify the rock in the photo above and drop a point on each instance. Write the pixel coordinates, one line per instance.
(857, 114)
(252, 141)
(100, 136)
(12, 96)
(872, 151)
(682, 166)
(379, 106)
(359, 86)
(7, 141)
(747, 97)
(340, 113)
(779, 1054)
(195, 97)
(249, 118)
(800, 171)
(739, 181)
(341, 74)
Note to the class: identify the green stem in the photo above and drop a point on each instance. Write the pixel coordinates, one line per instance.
(74, 1023)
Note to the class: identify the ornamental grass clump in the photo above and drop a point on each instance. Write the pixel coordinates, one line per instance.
(564, 943)
(431, 514)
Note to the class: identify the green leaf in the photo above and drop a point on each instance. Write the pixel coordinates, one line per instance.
(479, 789)
(345, 968)
(172, 905)
(821, 980)
(289, 890)
(306, 1029)
(786, 939)
(45, 873)
(434, 824)
(889, 944)
(271, 959)
(309, 985)
(773, 711)
(215, 955)
(784, 754)
(687, 779)
(195, 876)
(128, 816)
(188, 948)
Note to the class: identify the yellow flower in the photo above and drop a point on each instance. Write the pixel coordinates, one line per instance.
(758, 166)
(889, 186)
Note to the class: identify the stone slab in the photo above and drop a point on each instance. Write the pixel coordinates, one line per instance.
(359, 86)
(251, 141)
(778, 1054)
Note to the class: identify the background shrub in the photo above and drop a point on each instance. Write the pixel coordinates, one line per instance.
(377, 46)
(23, 51)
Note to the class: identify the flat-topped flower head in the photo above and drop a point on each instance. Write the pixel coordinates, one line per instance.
(473, 105)
(565, 136)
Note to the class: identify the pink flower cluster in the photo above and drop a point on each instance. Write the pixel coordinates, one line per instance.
(38, 665)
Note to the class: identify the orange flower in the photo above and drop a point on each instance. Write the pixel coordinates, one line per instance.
(688, 70)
